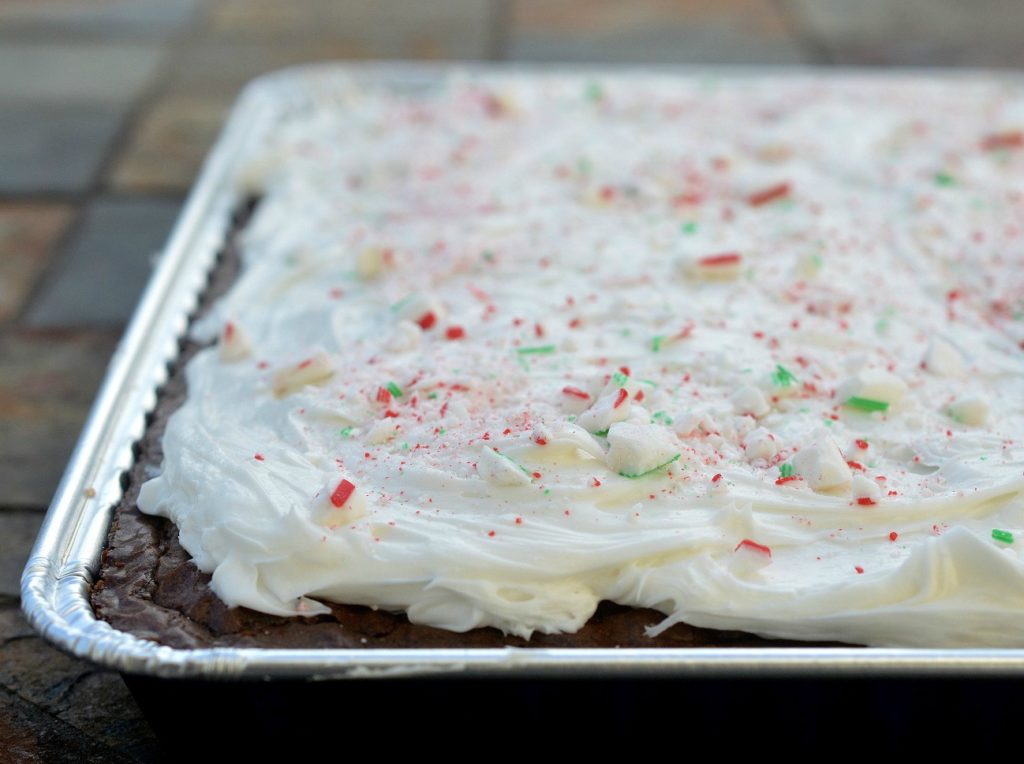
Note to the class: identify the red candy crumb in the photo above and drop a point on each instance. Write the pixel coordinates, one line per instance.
(342, 493)
(621, 397)
(427, 320)
(455, 332)
(754, 547)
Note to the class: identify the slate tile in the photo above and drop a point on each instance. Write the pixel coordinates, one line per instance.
(18, 529)
(47, 383)
(651, 31)
(87, 19)
(53, 148)
(76, 73)
(915, 32)
(28, 234)
(29, 736)
(75, 708)
(169, 143)
(98, 279)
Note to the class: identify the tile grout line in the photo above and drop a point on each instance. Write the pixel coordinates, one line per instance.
(806, 39)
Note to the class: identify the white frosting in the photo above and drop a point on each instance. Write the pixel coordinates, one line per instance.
(531, 321)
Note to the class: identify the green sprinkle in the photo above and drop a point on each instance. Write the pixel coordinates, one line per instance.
(690, 227)
(394, 389)
(620, 379)
(572, 418)
(882, 325)
(346, 432)
(526, 472)
(442, 431)
(432, 395)
(786, 470)
(661, 416)
(583, 165)
(536, 350)
(783, 377)
(656, 342)
(593, 92)
(651, 470)
(401, 303)
(601, 434)
(405, 446)
(649, 382)
(818, 261)
(866, 404)
(547, 491)
(944, 179)
(487, 255)
(1005, 536)
(828, 422)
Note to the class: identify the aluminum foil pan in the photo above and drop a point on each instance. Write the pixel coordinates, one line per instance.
(56, 582)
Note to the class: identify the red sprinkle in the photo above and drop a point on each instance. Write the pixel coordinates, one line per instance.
(229, 331)
(779, 191)
(861, 444)
(539, 441)
(726, 258)
(866, 501)
(1013, 139)
(787, 479)
(858, 568)
(621, 397)
(537, 475)
(383, 395)
(492, 534)
(855, 465)
(342, 493)
(575, 392)
(455, 332)
(597, 483)
(258, 457)
(717, 477)
(639, 395)
(893, 535)
(753, 546)
(427, 320)
(625, 370)
(305, 363)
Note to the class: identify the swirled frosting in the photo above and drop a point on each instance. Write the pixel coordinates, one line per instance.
(745, 351)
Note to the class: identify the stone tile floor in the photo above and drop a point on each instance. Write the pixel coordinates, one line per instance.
(107, 109)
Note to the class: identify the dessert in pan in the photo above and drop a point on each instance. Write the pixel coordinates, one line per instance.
(739, 355)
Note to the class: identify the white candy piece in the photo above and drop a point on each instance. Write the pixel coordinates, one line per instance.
(324, 510)
(404, 337)
(822, 464)
(372, 262)
(382, 431)
(875, 384)
(760, 444)
(234, 343)
(638, 448)
(313, 371)
(972, 411)
(604, 412)
(750, 400)
(942, 359)
(416, 307)
(865, 488)
(686, 424)
(498, 470)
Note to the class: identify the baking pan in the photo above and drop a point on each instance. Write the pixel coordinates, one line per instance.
(57, 579)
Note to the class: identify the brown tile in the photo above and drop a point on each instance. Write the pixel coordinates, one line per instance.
(28, 233)
(47, 383)
(169, 142)
(662, 31)
(379, 29)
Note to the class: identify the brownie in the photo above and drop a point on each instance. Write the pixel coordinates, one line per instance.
(148, 585)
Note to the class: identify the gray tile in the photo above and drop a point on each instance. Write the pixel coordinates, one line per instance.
(89, 19)
(97, 281)
(915, 32)
(47, 383)
(649, 31)
(76, 73)
(53, 147)
(18, 529)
